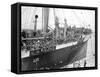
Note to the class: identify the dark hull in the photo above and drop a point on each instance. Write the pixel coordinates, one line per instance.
(56, 59)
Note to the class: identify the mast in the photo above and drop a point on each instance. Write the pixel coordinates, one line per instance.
(35, 25)
(65, 28)
(45, 18)
(56, 25)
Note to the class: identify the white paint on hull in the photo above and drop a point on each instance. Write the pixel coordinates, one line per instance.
(65, 45)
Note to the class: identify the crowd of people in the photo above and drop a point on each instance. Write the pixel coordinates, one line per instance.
(48, 43)
(39, 46)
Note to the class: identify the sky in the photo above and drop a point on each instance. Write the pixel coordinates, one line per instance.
(79, 18)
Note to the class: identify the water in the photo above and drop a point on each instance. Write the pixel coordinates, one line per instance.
(91, 51)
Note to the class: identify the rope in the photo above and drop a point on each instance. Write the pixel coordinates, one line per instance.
(63, 14)
(34, 12)
(79, 20)
(83, 18)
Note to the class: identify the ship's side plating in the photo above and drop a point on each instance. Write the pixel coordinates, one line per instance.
(55, 59)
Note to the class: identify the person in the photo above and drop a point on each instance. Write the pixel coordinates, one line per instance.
(23, 34)
(85, 63)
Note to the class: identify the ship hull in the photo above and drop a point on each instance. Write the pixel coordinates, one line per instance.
(55, 59)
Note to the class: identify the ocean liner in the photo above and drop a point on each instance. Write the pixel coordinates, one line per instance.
(52, 48)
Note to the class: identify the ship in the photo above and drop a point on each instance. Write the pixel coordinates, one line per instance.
(52, 48)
